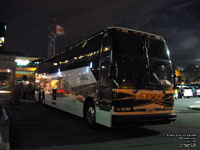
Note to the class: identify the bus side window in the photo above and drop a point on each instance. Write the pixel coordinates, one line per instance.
(105, 47)
(95, 68)
(92, 45)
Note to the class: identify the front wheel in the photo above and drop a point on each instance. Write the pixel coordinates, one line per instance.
(90, 114)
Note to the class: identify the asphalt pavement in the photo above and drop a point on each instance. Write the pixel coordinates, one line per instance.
(4, 126)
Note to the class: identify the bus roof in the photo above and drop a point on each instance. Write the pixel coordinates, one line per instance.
(101, 32)
(136, 31)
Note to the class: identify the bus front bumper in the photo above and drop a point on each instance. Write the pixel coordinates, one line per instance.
(142, 120)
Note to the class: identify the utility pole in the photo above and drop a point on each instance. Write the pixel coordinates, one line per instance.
(52, 39)
(54, 30)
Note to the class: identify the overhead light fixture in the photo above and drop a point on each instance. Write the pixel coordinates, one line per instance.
(22, 62)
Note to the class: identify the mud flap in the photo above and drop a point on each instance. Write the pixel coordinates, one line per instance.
(103, 117)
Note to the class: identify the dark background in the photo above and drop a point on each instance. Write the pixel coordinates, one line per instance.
(28, 20)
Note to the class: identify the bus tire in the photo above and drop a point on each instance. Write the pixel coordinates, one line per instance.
(90, 114)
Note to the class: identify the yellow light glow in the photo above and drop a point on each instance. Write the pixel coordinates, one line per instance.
(178, 73)
(2, 91)
(26, 69)
(54, 84)
(31, 69)
(84, 44)
(106, 49)
(80, 57)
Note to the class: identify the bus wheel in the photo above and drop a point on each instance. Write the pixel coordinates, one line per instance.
(90, 114)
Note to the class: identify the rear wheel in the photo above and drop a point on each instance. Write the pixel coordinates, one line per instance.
(90, 114)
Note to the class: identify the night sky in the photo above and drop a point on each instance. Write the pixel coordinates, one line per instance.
(177, 21)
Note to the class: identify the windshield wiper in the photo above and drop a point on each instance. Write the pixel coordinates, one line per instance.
(157, 78)
(116, 83)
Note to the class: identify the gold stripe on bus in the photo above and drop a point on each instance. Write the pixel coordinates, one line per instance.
(124, 98)
(159, 102)
(154, 99)
(164, 101)
(131, 91)
(144, 94)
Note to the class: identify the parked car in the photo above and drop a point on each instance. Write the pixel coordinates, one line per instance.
(197, 91)
(184, 91)
(187, 92)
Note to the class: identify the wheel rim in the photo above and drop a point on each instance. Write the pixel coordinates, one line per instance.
(91, 115)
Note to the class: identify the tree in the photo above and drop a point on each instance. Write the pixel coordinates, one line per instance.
(191, 73)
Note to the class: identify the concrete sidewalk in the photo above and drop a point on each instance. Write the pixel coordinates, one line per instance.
(4, 130)
(4, 125)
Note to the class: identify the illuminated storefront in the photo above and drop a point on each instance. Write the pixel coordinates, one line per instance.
(25, 70)
(14, 70)
(7, 73)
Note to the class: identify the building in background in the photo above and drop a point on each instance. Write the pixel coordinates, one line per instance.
(7, 73)
(15, 69)
(25, 69)
(3, 28)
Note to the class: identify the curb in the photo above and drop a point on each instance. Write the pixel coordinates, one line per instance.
(194, 107)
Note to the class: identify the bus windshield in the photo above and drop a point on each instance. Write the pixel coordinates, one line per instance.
(161, 73)
(132, 73)
(141, 60)
(131, 44)
(127, 44)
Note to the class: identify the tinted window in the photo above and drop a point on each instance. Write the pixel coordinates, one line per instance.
(93, 45)
(131, 72)
(157, 49)
(162, 71)
(133, 44)
(129, 44)
(78, 56)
